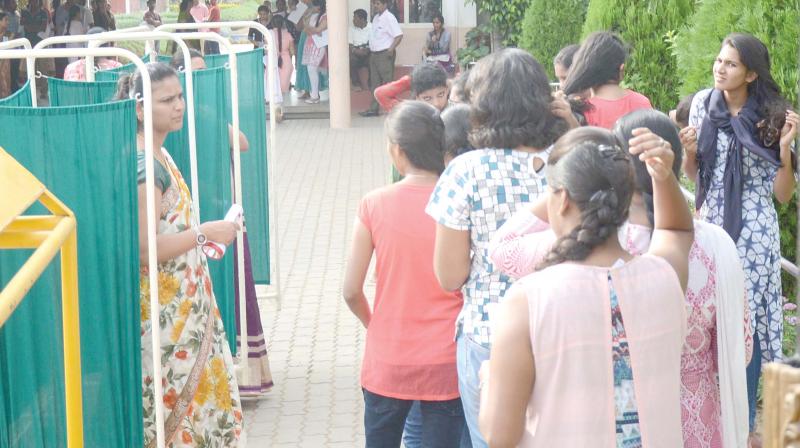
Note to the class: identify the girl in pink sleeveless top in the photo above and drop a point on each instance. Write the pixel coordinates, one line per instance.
(587, 349)
(719, 340)
(598, 68)
(410, 350)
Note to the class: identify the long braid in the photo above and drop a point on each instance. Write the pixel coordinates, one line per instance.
(598, 178)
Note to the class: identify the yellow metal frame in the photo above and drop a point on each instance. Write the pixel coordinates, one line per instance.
(47, 234)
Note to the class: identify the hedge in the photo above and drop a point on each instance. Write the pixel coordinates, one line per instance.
(775, 22)
(550, 25)
(647, 27)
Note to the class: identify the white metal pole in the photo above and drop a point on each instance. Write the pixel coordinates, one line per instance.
(237, 189)
(150, 200)
(272, 209)
(96, 39)
(30, 65)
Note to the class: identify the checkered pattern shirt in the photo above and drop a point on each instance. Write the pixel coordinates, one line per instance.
(478, 192)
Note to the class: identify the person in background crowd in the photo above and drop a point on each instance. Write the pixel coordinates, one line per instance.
(34, 21)
(61, 22)
(359, 50)
(5, 71)
(456, 132)
(315, 51)
(87, 19)
(512, 127)
(427, 82)
(592, 314)
(185, 16)
(383, 41)
(151, 17)
(680, 115)
(286, 51)
(280, 9)
(201, 396)
(302, 79)
(457, 86)
(599, 66)
(562, 62)
(410, 355)
(75, 28)
(264, 17)
(14, 32)
(437, 45)
(214, 15)
(76, 71)
(103, 17)
(199, 12)
(738, 152)
(293, 17)
(62, 17)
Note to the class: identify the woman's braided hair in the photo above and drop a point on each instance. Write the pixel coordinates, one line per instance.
(597, 175)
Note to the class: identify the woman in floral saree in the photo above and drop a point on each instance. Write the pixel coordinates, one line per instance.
(201, 397)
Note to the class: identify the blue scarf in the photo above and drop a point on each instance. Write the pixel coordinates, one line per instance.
(742, 133)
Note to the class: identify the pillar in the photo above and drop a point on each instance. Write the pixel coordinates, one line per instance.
(339, 64)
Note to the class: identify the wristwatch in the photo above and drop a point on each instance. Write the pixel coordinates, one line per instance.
(201, 239)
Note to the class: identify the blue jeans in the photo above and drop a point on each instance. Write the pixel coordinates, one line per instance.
(385, 417)
(412, 433)
(753, 375)
(470, 355)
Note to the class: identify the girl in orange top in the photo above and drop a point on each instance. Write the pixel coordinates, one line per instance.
(597, 70)
(410, 351)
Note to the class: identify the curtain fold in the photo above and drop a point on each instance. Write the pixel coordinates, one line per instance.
(20, 98)
(114, 74)
(85, 155)
(214, 174)
(76, 93)
(253, 123)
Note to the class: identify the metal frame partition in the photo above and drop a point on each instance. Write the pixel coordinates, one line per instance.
(243, 347)
(147, 100)
(30, 63)
(94, 40)
(272, 66)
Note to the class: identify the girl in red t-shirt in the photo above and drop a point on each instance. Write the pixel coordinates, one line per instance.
(598, 68)
(410, 351)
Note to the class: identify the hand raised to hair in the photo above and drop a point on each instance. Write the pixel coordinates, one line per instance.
(654, 151)
(560, 108)
(789, 131)
(688, 136)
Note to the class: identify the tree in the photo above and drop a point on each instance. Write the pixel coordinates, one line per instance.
(505, 17)
(775, 22)
(647, 27)
(549, 26)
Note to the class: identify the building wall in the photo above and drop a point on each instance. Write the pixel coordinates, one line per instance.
(459, 18)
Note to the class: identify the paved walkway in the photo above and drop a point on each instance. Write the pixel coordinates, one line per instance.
(314, 342)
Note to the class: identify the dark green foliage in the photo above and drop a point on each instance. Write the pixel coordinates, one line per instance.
(777, 24)
(647, 26)
(505, 17)
(550, 25)
(478, 46)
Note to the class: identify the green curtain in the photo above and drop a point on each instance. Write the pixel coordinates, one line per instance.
(115, 73)
(86, 155)
(252, 122)
(213, 167)
(75, 93)
(21, 97)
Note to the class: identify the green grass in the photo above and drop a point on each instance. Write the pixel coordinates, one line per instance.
(230, 11)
